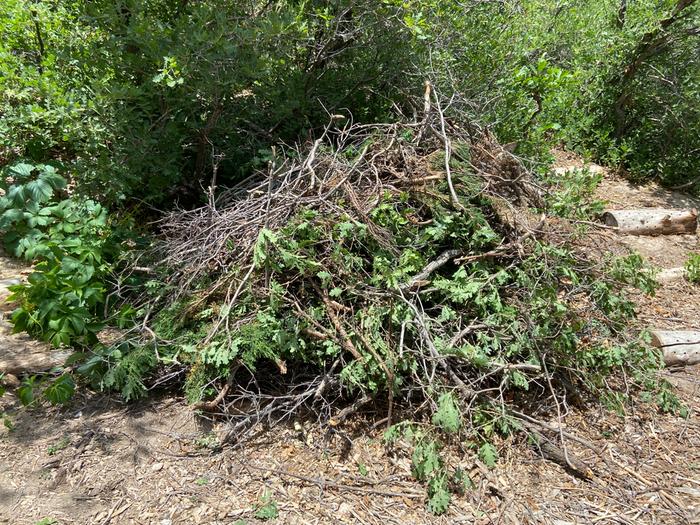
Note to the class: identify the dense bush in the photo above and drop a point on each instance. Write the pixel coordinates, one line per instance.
(144, 113)
(616, 80)
(69, 239)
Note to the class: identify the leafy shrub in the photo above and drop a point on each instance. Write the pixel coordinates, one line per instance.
(572, 194)
(56, 390)
(133, 110)
(24, 208)
(69, 241)
(692, 267)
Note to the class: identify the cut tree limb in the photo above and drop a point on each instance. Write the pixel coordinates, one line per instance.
(679, 347)
(422, 277)
(564, 458)
(652, 221)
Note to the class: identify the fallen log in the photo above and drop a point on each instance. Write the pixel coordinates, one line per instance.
(679, 347)
(592, 168)
(671, 274)
(652, 221)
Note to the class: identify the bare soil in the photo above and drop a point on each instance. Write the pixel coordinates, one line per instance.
(99, 461)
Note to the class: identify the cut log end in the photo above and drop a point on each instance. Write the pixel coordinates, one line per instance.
(680, 348)
(652, 221)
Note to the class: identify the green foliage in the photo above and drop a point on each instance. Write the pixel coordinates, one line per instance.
(667, 401)
(429, 468)
(208, 441)
(545, 73)
(362, 469)
(267, 507)
(430, 465)
(105, 103)
(58, 446)
(25, 210)
(448, 417)
(132, 97)
(122, 367)
(60, 390)
(57, 391)
(571, 194)
(635, 271)
(135, 96)
(692, 267)
(488, 454)
(69, 240)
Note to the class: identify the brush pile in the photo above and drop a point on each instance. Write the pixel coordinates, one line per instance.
(403, 263)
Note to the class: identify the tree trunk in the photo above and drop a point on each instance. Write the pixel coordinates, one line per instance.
(652, 221)
(679, 347)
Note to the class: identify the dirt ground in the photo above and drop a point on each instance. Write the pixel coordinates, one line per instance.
(100, 461)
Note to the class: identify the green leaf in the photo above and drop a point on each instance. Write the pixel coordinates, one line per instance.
(25, 393)
(39, 190)
(47, 521)
(53, 179)
(488, 454)
(16, 196)
(448, 416)
(438, 495)
(21, 170)
(426, 460)
(10, 216)
(61, 390)
(267, 509)
(519, 380)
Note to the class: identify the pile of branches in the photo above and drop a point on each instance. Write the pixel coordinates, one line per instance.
(394, 262)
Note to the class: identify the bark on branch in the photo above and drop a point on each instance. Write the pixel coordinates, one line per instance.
(652, 221)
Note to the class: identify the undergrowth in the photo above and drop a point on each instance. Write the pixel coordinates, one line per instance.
(571, 194)
(69, 239)
(692, 267)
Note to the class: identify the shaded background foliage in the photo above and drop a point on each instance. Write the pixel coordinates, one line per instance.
(143, 98)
